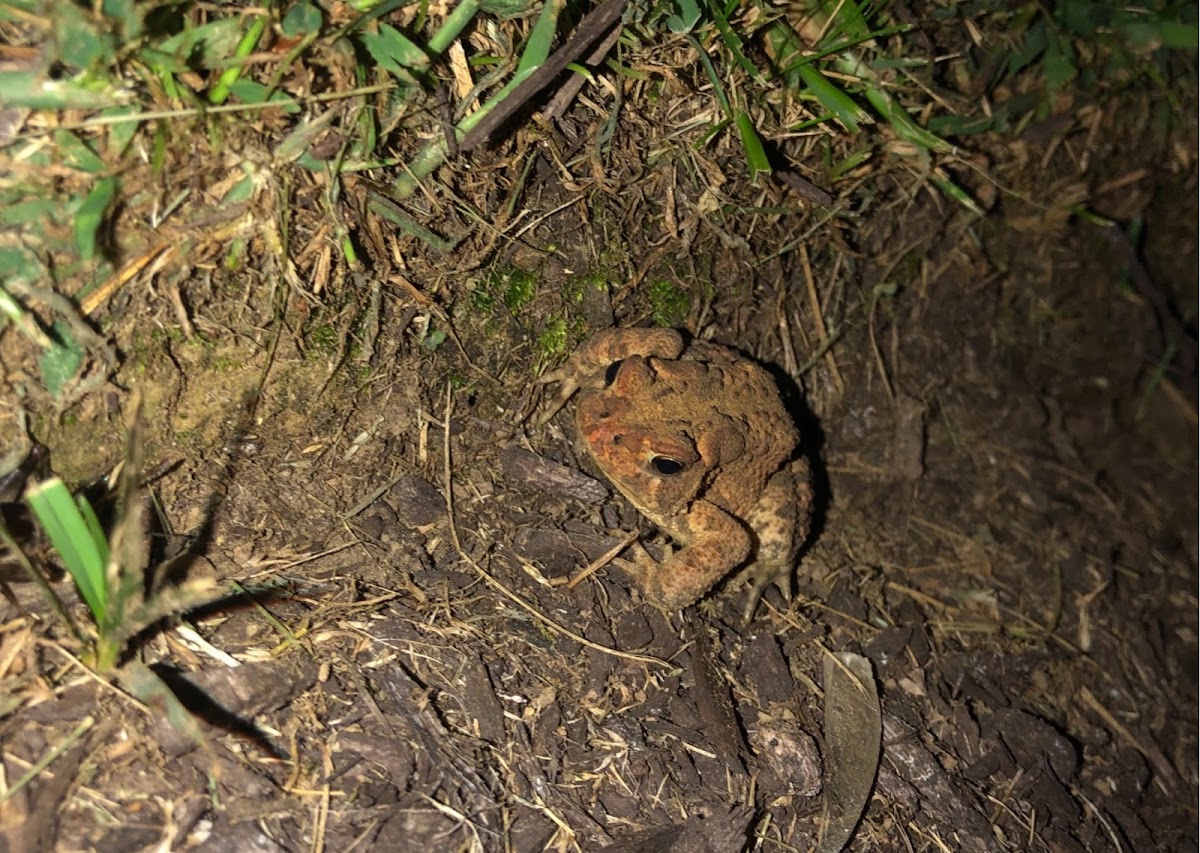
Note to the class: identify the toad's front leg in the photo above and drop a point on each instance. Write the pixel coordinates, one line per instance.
(714, 543)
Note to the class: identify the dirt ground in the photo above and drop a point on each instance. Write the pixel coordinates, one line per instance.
(1001, 413)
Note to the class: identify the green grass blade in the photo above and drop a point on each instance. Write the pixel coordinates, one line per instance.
(686, 20)
(90, 216)
(732, 42)
(61, 359)
(395, 52)
(894, 114)
(849, 114)
(83, 553)
(245, 47)
(454, 24)
(714, 78)
(301, 19)
(74, 152)
(954, 191)
(91, 521)
(756, 156)
(537, 50)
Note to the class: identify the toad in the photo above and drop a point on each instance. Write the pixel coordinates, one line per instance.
(697, 438)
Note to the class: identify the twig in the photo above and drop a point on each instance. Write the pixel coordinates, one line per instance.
(45, 761)
(819, 320)
(592, 27)
(1152, 753)
(501, 588)
(606, 558)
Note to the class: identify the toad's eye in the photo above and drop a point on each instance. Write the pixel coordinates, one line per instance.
(666, 466)
(610, 375)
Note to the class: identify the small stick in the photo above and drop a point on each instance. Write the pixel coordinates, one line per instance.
(603, 560)
(591, 28)
(819, 319)
(501, 588)
(1152, 753)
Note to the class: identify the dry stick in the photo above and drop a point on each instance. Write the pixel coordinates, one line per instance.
(101, 294)
(819, 319)
(1152, 753)
(558, 105)
(606, 558)
(591, 28)
(883, 374)
(501, 588)
(47, 759)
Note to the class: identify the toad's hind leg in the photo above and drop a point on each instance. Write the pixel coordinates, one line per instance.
(780, 519)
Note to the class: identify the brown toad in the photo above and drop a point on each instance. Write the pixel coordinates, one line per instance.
(697, 438)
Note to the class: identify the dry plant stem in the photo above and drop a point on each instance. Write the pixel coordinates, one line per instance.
(603, 560)
(591, 28)
(321, 820)
(1152, 753)
(819, 320)
(883, 374)
(45, 761)
(571, 88)
(501, 588)
(115, 282)
(790, 365)
(100, 121)
(104, 683)
(1179, 401)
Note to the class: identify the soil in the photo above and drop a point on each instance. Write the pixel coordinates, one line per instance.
(1004, 433)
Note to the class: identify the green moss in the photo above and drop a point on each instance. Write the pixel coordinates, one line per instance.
(511, 285)
(520, 289)
(578, 285)
(322, 338)
(669, 303)
(553, 339)
(226, 364)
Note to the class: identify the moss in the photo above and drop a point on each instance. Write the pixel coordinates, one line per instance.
(669, 303)
(520, 289)
(322, 338)
(553, 339)
(511, 285)
(482, 300)
(577, 286)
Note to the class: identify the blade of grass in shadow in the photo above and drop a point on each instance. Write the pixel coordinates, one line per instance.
(732, 42)
(894, 114)
(39, 580)
(145, 685)
(840, 105)
(845, 24)
(90, 216)
(384, 207)
(756, 156)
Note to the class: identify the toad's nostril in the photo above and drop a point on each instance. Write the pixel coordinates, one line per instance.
(610, 375)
